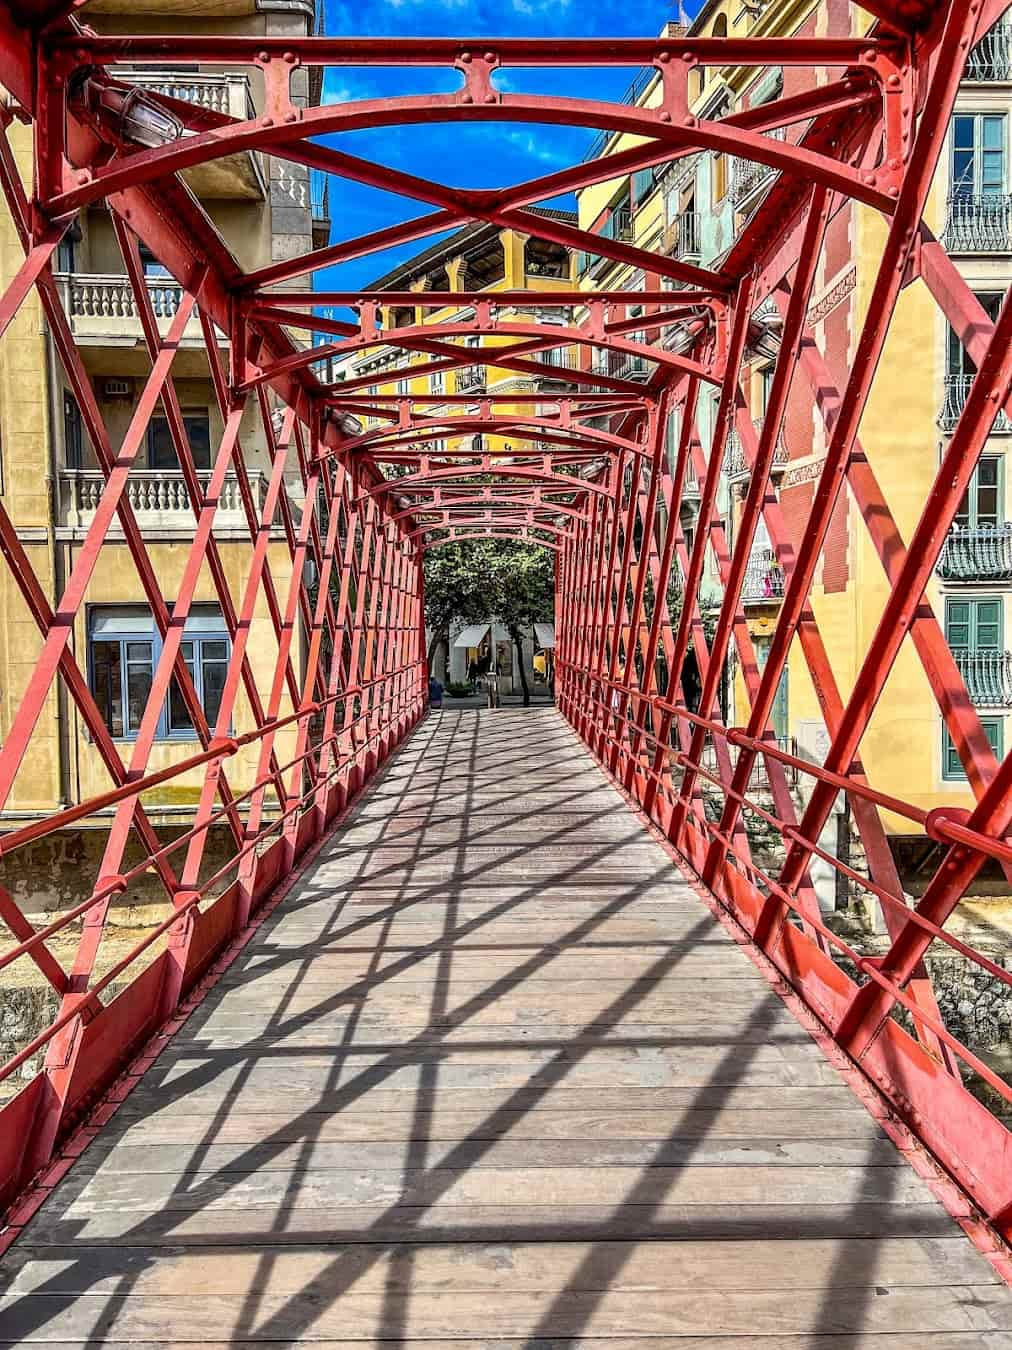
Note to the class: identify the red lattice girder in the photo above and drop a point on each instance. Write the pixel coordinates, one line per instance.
(326, 669)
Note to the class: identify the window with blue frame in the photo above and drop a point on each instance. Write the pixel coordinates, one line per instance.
(123, 650)
(978, 155)
(952, 767)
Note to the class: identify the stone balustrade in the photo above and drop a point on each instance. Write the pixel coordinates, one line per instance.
(158, 497)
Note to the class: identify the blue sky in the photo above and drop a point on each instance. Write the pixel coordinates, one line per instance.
(466, 156)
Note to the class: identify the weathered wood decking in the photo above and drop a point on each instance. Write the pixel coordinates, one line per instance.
(492, 1075)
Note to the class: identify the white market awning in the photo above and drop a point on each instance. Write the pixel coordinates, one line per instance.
(545, 634)
(472, 635)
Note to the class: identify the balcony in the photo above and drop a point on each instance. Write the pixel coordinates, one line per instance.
(621, 365)
(159, 499)
(764, 579)
(682, 237)
(991, 59)
(983, 553)
(556, 363)
(978, 225)
(236, 176)
(620, 225)
(103, 309)
(987, 675)
(736, 467)
(749, 176)
(957, 391)
(471, 377)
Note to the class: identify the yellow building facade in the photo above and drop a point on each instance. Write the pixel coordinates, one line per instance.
(52, 482)
(694, 209)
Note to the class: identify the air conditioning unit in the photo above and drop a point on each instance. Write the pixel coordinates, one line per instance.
(117, 388)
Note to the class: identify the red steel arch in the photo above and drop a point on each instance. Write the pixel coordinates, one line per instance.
(606, 501)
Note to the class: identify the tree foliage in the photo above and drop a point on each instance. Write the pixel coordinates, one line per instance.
(512, 583)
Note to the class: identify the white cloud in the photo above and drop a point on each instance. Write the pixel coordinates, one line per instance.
(530, 145)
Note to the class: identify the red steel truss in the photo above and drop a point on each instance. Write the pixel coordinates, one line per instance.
(585, 472)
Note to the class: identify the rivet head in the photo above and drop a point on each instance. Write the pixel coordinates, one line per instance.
(490, 57)
(291, 117)
(466, 58)
(690, 121)
(263, 57)
(665, 117)
(490, 98)
(466, 98)
(289, 57)
(267, 121)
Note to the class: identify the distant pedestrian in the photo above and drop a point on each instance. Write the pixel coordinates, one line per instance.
(435, 693)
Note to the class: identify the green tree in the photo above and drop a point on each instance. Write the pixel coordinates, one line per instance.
(456, 587)
(522, 593)
(512, 583)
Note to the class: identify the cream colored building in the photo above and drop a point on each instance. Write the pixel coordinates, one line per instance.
(266, 210)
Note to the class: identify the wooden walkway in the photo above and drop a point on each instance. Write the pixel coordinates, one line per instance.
(492, 1076)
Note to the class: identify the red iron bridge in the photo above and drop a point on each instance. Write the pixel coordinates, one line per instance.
(491, 1028)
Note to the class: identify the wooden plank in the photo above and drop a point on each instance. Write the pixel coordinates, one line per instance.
(310, 1154)
(538, 1268)
(856, 1221)
(492, 1077)
(918, 1340)
(284, 1191)
(189, 1126)
(602, 1313)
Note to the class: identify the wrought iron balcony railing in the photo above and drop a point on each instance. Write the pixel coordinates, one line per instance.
(764, 578)
(471, 377)
(682, 235)
(621, 225)
(978, 224)
(991, 59)
(988, 676)
(957, 390)
(735, 464)
(749, 175)
(983, 553)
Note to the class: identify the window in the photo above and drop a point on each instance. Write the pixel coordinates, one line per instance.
(161, 451)
(952, 767)
(642, 185)
(765, 374)
(402, 387)
(719, 179)
(66, 254)
(974, 625)
(73, 432)
(978, 155)
(152, 267)
(123, 651)
(617, 225)
(437, 382)
(958, 360)
(982, 503)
